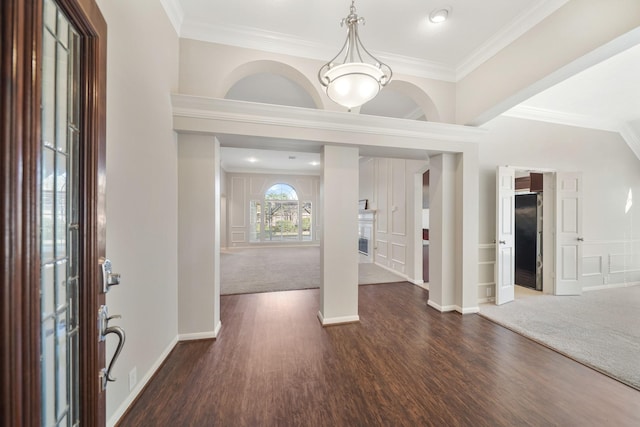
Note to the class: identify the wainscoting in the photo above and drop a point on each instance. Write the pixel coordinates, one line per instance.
(605, 264)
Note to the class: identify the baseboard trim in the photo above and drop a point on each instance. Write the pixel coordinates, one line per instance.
(420, 284)
(469, 310)
(216, 330)
(442, 309)
(197, 336)
(133, 395)
(610, 286)
(337, 320)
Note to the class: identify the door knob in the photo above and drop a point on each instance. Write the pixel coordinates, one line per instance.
(580, 239)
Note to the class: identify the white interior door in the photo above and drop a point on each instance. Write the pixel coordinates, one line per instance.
(505, 234)
(568, 233)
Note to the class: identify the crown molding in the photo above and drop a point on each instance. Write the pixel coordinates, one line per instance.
(631, 137)
(507, 35)
(280, 43)
(173, 9)
(562, 118)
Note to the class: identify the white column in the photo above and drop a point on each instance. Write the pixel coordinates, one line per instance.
(468, 215)
(442, 232)
(339, 240)
(198, 232)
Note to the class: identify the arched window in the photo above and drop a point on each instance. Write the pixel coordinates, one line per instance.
(280, 216)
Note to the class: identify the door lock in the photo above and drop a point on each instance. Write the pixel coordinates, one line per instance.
(108, 278)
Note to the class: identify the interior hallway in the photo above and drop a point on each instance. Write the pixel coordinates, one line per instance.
(403, 364)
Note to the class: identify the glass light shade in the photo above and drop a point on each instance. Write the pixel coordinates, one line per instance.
(354, 83)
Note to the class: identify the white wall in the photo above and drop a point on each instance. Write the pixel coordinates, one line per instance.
(242, 188)
(210, 69)
(141, 189)
(610, 170)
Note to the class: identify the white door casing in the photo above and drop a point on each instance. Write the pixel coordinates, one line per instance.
(505, 234)
(568, 233)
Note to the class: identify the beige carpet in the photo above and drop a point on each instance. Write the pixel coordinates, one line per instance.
(600, 329)
(269, 269)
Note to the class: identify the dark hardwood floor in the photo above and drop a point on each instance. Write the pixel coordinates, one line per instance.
(404, 364)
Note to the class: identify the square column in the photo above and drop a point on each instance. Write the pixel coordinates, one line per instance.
(339, 192)
(198, 237)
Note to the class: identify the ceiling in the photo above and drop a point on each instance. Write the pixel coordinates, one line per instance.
(606, 96)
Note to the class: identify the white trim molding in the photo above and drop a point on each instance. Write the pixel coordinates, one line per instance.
(504, 37)
(286, 44)
(198, 336)
(442, 309)
(559, 117)
(631, 137)
(173, 9)
(188, 109)
(468, 310)
(337, 320)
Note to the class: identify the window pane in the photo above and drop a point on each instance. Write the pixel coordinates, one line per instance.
(47, 299)
(62, 401)
(62, 76)
(48, 372)
(61, 206)
(254, 221)
(48, 89)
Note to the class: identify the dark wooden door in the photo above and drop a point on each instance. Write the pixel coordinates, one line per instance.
(53, 237)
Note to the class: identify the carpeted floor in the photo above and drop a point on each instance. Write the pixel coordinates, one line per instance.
(600, 329)
(268, 269)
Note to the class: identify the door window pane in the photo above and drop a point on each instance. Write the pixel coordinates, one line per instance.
(60, 237)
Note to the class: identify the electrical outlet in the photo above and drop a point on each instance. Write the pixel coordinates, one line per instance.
(133, 378)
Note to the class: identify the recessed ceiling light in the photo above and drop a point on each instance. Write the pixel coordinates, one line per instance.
(252, 160)
(314, 163)
(438, 16)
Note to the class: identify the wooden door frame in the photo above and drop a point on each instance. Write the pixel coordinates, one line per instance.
(20, 160)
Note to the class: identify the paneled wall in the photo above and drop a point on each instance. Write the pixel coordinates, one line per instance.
(388, 184)
(242, 188)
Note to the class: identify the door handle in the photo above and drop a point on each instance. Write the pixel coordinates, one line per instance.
(121, 337)
(580, 239)
(108, 277)
(503, 242)
(105, 329)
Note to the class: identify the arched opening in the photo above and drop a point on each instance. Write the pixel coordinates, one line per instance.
(273, 83)
(270, 88)
(402, 100)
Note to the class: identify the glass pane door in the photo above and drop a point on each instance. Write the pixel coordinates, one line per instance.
(59, 220)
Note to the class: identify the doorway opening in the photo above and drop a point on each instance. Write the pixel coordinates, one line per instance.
(529, 197)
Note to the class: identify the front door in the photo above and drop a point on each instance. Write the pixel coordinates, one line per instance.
(53, 153)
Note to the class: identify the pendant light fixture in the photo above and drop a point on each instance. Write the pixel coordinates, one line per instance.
(353, 76)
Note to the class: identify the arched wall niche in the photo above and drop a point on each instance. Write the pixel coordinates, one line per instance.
(277, 68)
